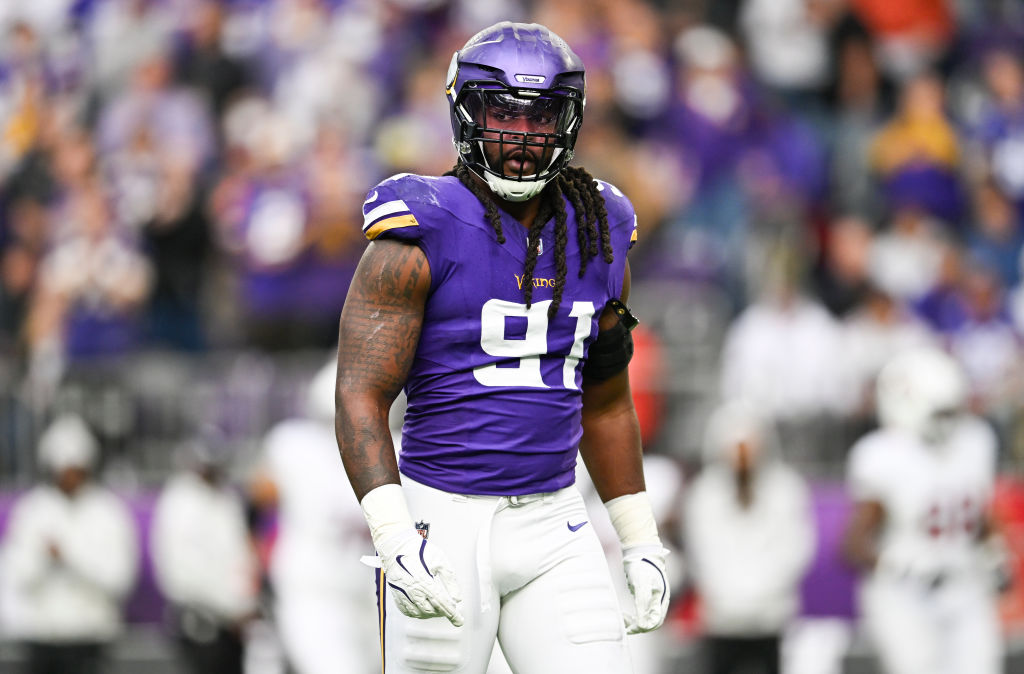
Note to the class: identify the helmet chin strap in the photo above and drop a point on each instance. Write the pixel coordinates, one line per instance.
(515, 190)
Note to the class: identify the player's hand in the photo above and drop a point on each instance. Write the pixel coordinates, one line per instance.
(648, 583)
(420, 578)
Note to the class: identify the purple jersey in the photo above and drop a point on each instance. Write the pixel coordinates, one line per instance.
(494, 390)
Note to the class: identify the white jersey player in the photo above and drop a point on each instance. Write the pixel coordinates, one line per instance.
(921, 531)
(324, 608)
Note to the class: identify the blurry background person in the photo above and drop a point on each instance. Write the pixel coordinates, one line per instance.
(878, 328)
(788, 335)
(71, 553)
(324, 603)
(91, 287)
(204, 562)
(749, 538)
(920, 531)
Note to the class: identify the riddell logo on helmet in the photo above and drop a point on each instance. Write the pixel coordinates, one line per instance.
(530, 79)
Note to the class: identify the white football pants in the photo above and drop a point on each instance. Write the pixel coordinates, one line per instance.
(531, 574)
(949, 629)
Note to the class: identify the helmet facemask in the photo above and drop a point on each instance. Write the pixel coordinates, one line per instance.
(516, 139)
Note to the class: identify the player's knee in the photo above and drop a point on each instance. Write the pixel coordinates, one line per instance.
(434, 646)
(589, 610)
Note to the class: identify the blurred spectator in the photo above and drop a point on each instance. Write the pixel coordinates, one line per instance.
(417, 137)
(201, 61)
(311, 59)
(173, 118)
(921, 532)
(640, 76)
(872, 334)
(122, 34)
(841, 276)
(92, 284)
(71, 554)
(20, 255)
(710, 121)
(988, 347)
(906, 258)
(749, 538)
(324, 598)
(58, 160)
(787, 42)
(858, 98)
(204, 562)
(1000, 128)
(785, 335)
(177, 239)
(915, 155)
(289, 233)
(942, 307)
(22, 94)
(912, 36)
(996, 239)
(783, 172)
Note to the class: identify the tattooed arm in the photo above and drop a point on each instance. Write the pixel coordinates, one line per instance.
(380, 327)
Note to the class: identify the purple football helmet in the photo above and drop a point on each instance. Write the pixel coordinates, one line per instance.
(519, 89)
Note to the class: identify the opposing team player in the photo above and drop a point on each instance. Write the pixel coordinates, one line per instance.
(921, 530)
(494, 295)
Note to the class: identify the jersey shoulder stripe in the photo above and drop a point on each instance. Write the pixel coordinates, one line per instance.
(387, 216)
(389, 224)
(420, 209)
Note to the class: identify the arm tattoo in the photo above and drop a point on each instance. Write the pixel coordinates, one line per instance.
(378, 334)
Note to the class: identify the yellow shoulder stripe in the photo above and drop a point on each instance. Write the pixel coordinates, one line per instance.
(390, 223)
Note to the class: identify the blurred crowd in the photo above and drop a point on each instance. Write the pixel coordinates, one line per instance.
(819, 184)
(843, 175)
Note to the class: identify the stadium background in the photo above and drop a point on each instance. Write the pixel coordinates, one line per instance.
(818, 182)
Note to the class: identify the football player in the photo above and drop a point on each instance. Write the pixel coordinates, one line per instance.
(921, 531)
(495, 296)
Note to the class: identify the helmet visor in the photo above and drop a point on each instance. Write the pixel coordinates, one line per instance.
(503, 110)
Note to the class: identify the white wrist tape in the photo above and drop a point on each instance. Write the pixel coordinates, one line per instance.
(386, 512)
(633, 519)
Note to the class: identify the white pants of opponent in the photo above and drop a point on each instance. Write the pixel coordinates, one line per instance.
(921, 628)
(531, 576)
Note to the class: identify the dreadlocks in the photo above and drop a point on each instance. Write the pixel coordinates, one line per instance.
(578, 186)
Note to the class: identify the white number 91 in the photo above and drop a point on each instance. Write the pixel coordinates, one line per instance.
(530, 348)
